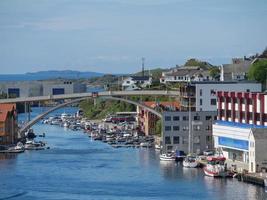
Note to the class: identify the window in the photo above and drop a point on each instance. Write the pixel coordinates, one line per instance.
(176, 128)
(208, 138)
(176, 140)
(176, 118)
(200, 102)
(235, 100)
(213, 102)
(185, 128)
(168, 128)
(250, 101)
(185, 118)
(167, 140)
(200, 92)
(185, 140)
(197, 139)
(207, 128)
(196, 118)
(127, 82)
(212, 92)
(196, 127)
(208, 117)
(215, 118)
(168, 118)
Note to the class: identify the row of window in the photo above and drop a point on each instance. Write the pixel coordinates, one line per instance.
(186, 118)
(185, 128)
(212, 102)
(212, 92)
(242, 115)
(184, 140)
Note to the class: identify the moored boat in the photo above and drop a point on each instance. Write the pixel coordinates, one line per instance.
(215, 167)
(190, 162)
(167, 157)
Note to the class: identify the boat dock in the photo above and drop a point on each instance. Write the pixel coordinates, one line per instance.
(125, 145)
(255, 178)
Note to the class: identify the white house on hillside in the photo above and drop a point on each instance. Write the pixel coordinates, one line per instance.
(185, 74)
(136, 82)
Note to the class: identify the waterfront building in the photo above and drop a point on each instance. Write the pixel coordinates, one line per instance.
(240, 133)
(200, 98)
(136, 82)
(8, 124)
(14, 89)
(62, 86)
(202, 95)
(176, 130)
(147, 120)
(242, 107)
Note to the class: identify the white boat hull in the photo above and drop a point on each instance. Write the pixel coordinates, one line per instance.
(166, 158)
(215, 173)
(190, 164)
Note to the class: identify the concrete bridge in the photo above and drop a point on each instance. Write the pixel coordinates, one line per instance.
(91, 94)
(75, 98)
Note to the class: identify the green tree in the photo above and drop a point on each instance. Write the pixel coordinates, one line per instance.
(214, 72)
(258, 72)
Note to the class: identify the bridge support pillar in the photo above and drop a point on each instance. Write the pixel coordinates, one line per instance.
(94, 101)
(27, 112)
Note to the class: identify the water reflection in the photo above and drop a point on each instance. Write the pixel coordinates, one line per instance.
(5, 156)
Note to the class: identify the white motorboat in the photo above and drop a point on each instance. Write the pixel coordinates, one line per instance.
(145, 144)
(167, 157)
(33, 145)
(157, 147)
(215, 167)
(190, 162)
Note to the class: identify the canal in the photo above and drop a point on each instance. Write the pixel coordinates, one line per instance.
(77, 168)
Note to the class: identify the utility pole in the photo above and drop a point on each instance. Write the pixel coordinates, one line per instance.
(143, 66)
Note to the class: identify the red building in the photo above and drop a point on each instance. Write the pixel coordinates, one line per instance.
(8, 123)
(242, 107)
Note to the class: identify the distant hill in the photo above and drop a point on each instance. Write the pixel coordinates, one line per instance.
(44, 75)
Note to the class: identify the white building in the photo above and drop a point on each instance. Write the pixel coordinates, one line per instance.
(136, 82)
(203, 94)
(185, 74)
(243, 144)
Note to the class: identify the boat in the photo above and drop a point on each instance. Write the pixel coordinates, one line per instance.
(33, 145)
(215, 167)
(167, 157)
(157, 147)
(179, 155)
(145, 144)
(190, 162)
(19, 148)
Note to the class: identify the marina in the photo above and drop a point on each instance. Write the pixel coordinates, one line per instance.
(93, 169)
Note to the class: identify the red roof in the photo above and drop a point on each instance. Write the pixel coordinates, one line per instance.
(4, 109)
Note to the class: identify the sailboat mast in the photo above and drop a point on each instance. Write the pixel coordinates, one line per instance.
(189, 127)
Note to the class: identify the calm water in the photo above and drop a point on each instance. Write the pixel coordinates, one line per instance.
(77, 168)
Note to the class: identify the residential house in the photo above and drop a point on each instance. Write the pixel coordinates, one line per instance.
(136, 82)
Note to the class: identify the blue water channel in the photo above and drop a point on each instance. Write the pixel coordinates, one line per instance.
(77, 168)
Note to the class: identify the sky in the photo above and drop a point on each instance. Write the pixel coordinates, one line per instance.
(111, 36)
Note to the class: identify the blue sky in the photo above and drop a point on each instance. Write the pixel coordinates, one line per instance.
(112, 35)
